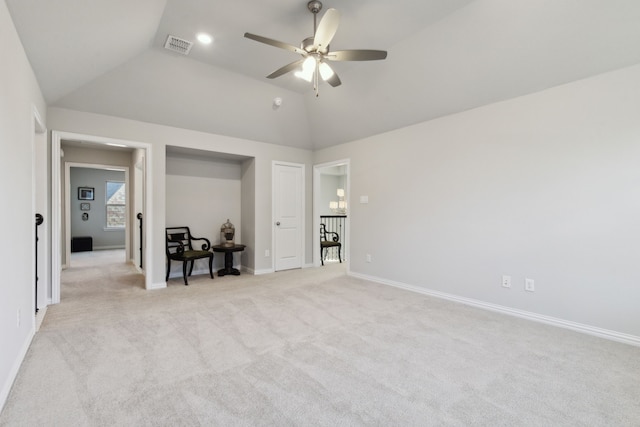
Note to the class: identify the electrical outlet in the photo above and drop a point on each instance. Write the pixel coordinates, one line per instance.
(368, 258)
(506, 281)
(529, 285)
(266, 252)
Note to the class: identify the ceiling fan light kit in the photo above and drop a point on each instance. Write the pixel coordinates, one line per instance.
(315, 51)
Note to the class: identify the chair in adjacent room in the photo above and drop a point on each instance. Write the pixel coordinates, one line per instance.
(329, 239)
(179, 246)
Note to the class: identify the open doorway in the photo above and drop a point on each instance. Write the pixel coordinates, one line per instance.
(96, 205)
(137, 194)
(331, 194)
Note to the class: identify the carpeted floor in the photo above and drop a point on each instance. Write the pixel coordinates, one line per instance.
(304, 348)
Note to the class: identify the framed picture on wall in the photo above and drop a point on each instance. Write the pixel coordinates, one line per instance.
(85, 193)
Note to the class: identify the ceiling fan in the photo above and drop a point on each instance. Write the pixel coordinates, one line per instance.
(315, 50)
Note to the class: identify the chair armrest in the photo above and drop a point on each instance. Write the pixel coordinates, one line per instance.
(336, 236)
(205, 246)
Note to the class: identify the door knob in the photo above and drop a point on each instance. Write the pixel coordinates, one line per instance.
(278, 223)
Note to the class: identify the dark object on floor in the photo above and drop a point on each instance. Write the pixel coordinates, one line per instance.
(228, 258)
(81, 244)
(325, 243)
(180, 248)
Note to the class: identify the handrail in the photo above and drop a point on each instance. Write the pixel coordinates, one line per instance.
(139, 216)
(39, 221)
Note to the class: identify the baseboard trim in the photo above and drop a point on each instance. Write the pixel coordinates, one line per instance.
(540, 318)
(159, 285)
(13, 374)
(198, 271)
(107, 248)
(258, 272)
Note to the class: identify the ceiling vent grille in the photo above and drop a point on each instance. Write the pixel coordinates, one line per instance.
(177, 44)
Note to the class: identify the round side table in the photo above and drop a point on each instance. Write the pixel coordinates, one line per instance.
(228, 258)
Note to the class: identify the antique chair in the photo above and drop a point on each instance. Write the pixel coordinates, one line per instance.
(180, 248)
(329, 239)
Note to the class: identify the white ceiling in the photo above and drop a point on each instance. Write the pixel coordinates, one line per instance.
(445, 56)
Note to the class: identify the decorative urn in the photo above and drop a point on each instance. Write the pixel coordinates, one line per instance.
(227, 233)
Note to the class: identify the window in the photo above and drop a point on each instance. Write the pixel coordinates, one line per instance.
(116, 204)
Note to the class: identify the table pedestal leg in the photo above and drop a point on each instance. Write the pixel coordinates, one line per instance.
(228, 266)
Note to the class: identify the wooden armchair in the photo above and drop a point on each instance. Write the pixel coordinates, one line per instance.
(179, 247)
(329, 239)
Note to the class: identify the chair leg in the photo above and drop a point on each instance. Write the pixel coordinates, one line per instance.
(321, 256)
(193, 261)
(184, 272)
(168, 268)
(339, 256)
(211, 266)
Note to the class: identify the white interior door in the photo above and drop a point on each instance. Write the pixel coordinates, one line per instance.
(288, 203)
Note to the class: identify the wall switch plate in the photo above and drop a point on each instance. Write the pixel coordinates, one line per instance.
(364, 199)
(266, 252)
(506, 281)
(529, 285)
(368, 257)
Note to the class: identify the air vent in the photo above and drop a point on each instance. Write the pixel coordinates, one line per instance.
(178, 45)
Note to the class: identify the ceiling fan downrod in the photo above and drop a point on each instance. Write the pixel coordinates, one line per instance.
(314, 7)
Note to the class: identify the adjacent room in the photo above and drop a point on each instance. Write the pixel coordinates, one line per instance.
(416, 213)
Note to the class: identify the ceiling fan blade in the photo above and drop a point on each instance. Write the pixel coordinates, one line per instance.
(356, 55)
(284, 70)
(326, 30)
(275, 43)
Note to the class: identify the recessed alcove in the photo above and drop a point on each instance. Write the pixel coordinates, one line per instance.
(203, 190)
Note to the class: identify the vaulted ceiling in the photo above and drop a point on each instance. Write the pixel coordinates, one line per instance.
(445, 56)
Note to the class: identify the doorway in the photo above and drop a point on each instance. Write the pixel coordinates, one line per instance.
(331, 205)
(142, 152)
(288, 215)
(99, 222)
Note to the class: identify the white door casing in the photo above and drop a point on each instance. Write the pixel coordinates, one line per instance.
(288, 215)
(57, 200)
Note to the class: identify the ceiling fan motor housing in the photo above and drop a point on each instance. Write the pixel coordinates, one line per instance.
(314, 6)
(307, 44)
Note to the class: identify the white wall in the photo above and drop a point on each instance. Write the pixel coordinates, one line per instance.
(202, 194)
(159, 137)
(19, 94)
(329, 185)
(248, 212)
(546, 186)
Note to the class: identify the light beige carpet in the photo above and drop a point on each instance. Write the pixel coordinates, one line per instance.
(303, 348)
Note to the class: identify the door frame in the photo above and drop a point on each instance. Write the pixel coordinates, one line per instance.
(39, 197)
(302, 167)
(56, 203)
(317, 169)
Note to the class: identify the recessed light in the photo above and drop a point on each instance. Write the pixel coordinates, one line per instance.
(204, 38)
